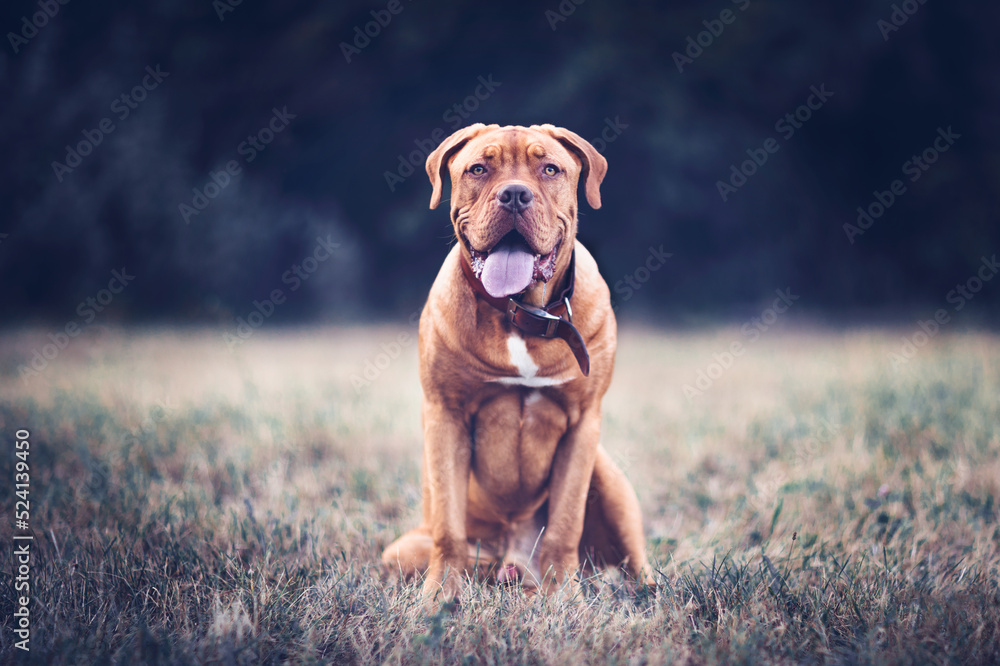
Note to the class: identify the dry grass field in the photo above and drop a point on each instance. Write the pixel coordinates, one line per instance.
(192, 504)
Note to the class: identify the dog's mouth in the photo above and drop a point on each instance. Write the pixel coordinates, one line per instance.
(510, 266)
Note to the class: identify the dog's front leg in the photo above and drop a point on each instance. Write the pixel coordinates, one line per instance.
(572, 469)
(448, 452)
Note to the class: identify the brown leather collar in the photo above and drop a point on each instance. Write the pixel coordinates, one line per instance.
(541, 322)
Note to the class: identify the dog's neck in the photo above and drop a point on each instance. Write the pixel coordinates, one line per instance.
(552, 321)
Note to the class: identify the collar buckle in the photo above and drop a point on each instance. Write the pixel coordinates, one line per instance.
(551, 321)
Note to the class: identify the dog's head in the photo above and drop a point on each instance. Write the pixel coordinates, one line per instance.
(513, 198)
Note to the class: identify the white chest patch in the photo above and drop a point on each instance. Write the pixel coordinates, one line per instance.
(520, 358)
(526, 368)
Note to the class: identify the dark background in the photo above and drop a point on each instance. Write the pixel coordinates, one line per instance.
(325, 174)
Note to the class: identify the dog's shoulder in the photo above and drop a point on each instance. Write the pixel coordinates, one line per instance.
(591, 302)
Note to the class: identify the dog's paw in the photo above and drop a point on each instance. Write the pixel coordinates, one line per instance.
(438, 590)
(644, 589)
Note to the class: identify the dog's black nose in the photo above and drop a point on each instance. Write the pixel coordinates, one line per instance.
(514, 197)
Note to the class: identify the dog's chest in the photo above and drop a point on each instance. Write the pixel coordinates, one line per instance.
(527, 370)
(515, 436)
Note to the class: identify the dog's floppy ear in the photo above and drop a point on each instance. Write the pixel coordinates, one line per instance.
(437, 161)
(594, 164)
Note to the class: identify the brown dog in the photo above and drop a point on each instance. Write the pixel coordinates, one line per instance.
(515, 482)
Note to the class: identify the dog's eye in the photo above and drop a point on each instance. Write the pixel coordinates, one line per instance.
(477, 169)
(551, 169)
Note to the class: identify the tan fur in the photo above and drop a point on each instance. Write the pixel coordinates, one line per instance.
(514, 478)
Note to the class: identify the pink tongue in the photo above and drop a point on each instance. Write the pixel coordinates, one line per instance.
(508, 269)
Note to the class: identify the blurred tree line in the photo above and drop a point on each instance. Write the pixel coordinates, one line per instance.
(678, 96)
